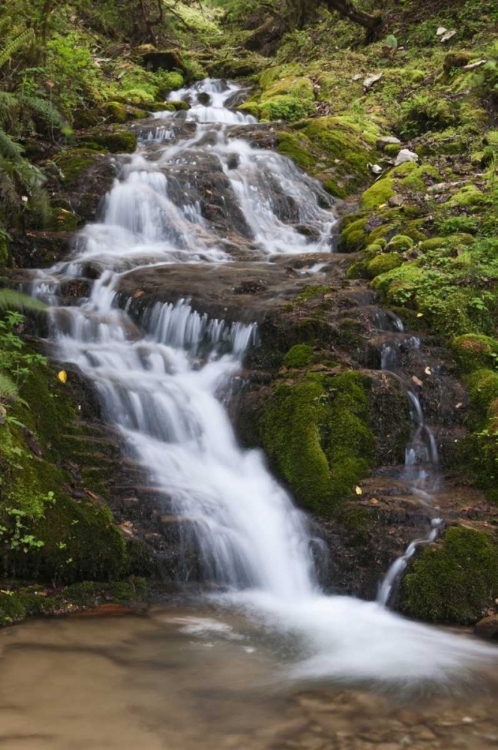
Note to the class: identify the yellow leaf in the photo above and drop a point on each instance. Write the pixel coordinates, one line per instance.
(358, 490)
(62, 375)
(420, 315)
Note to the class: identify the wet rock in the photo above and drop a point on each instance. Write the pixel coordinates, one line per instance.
(487, 627)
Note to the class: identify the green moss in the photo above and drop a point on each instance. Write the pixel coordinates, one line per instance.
(312, 292)
(468, 197)
(63, 220)
(473, 351)
(453, 581)
(285, 107)
(74, 162)
(378, 194)
(298, 87)
(116, 141)
(296, 148)
(162, 107)
(299, 356)
(353, 236)
(382, 264)
(116, 111)
(400, 243)
(179, 105)
(316, 433)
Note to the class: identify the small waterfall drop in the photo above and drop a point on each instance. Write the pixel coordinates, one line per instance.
(161, 384)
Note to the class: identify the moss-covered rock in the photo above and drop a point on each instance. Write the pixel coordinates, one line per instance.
(285, 107)
(73, 162)
(316, 432)
(378, 194)
(115, 140)
(382, 264)
(453, 581)
(353, 236)
(473, 351)
(299, 356)
(400, 243)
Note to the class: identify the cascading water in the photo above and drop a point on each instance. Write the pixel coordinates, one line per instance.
(162, 389)
(421, 459)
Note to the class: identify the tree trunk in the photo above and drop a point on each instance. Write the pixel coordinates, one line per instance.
(348, 9)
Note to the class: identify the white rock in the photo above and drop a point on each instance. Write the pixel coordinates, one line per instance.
(405, 155)
(369, 82)
(473, 65)
(441, 30)
(387, 140)
(357, 77)
(375, 169)
(447, 36)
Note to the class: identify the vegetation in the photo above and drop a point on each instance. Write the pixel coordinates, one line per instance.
(346, 84)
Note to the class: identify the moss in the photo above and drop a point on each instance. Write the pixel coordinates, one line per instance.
(296, 148)
(468, 197)
(453, 581)
(299, 356)
(353, 236)
(63, 220)
(382, 264)
(116, 141)
(474, 351)
(162, 107)
(378, 194)
(483, 387)
(312, 292)
(74, 161)
(299, 87)
(116, 111)
(249, 108)
(316, 433)
(16, 605)
(417, 178)
(179, 105)
(285, 107)
(400, 243)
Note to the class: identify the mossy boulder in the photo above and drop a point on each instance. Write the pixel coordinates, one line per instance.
(382, 264)
(299, 356)
(115, 140)
(474, 351)
(316, 433)
(285, 107)
(453, 581)
(73, 162)
(296, 148)
(179, 105)
(116, 112)
(353, 236)
(378, 193)
(400, 243)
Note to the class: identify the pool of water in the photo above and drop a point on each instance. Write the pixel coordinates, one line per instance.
(184, 678)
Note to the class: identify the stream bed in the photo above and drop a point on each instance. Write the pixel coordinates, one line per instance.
(197, 678)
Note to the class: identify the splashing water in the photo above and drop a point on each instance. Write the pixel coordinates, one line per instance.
(162, 388)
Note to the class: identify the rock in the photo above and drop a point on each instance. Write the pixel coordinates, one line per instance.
(446, 37)
(387, 140)
(487, 627)
(370, 81)
(405, 155)
(474, 65)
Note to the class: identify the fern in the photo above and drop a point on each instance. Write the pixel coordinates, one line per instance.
(9, 149)
(43, 108)
(8, 388)
(11, 299)
(24, 38)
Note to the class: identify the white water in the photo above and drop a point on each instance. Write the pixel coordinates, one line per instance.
(163, 388)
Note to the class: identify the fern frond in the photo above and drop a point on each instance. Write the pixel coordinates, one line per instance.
(8, 388)
(24, 38)
(9, 149)
(9, 109)
(43, 108)
(12, 300)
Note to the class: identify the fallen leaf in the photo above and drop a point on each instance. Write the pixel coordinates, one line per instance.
(417, 381)
(441, 30)
(139, 293)
(62, 375)
(428, 371)
(374, 501)
(420, 315)
(358, 490)
(459, 405)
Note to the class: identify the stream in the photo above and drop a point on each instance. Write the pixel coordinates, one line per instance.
(264, 620)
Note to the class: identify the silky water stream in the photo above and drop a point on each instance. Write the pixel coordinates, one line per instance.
(228, 670)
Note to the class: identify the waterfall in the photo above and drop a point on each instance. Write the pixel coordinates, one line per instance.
(162, 385)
